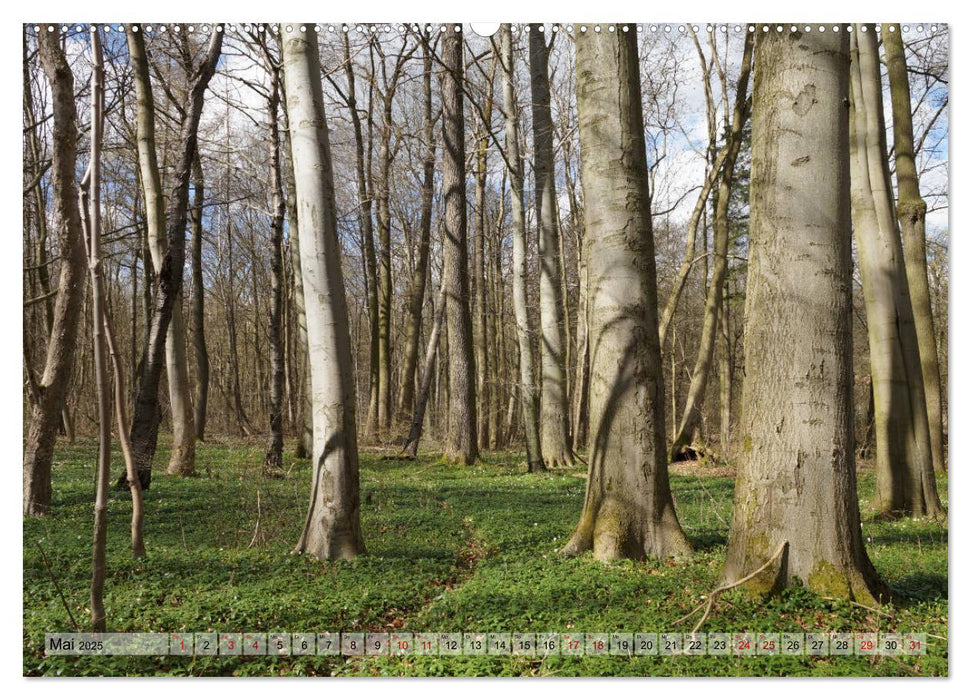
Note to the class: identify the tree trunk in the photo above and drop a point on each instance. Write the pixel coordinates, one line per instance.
(554, 403)
(428, 371)
(305, 437)
(911, 210)
(92, 190)
(332, 529)
(905, 473)
(367, 229)
(528, 394)
(167, 332)
(461, 441)
(797, 478)
(725, 377)
(691, 417)
(416, 297)
(52, 387)
(628, 510)
(274, 452)
(480, 294)
(201, 402)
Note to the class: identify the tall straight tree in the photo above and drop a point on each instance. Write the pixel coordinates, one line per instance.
(170, 267)
(182, 461)
(91, 213)
(796, 487)
(911, 212)
(520, 279)
(201, 398)
(51, 389)
(305, 428)
(554, 403)
(366, 222)
(628, 510)
(416, 292)
(274, 453)
(481, 301)
(905, 471)
(461, 441)
(691, 418)
(332, 529)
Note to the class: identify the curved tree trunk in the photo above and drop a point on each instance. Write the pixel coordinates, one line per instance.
(52, 387)
(520, 279)
(905, 473)
(333, 526)
(554, 403)
(163, 232)
(797, 477)
(628, 510)
(911, 210)
(461, 441)
(691, 417)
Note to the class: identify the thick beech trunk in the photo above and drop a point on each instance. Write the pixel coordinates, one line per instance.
(797, 478)
(628, 510)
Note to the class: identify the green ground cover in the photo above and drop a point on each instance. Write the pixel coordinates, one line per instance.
(449, 549)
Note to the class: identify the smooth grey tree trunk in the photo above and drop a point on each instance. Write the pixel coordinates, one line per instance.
(332, 529)
(554, 402)
(305, 421)
(911, 212)
(520, 278)
(796, 479)
(182, 461)
(905, 474)
(165, 228)
(628, 510)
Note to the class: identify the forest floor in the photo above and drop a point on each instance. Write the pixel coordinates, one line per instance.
(450, 549)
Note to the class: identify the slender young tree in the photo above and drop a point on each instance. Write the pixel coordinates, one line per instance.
(332, 529)
(51, 388)
(201, 398)
(628, 510)
(428, 370)
(182, 461)
(905, 472)
(691, 418)
(911, 212)
(796, 487)
(528, 395)
(416, 296)
(91, 196)
(554, 402)
(461, 441)
(274, 453)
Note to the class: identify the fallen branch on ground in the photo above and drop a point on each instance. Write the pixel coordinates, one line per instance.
(728, 586)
